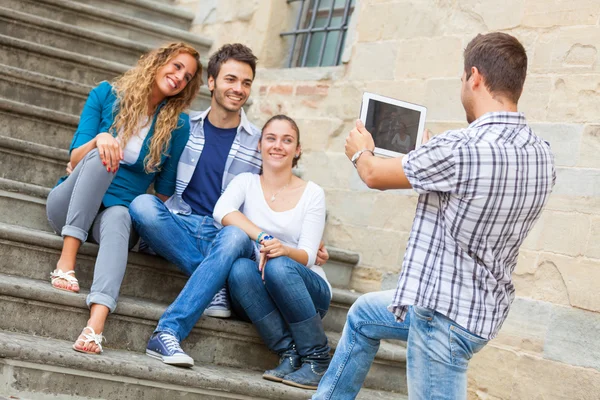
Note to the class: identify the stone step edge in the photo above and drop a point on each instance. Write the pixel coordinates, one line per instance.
(130, 21)
(65, 55)
(56, 355)
(30, 78)
(18, 234)
(41, 113)
(72, 30)
(35, 149)
(130, 307)
(163, 9)
(51, 82)
(36, 192)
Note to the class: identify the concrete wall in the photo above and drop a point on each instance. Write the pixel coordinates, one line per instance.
(412, 49)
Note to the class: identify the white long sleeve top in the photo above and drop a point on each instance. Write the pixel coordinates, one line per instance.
(301, 227)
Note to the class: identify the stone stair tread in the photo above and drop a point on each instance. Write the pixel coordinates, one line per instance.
(59, 83)
(120, 363)
(41, 291)
(36, 236)
(159, 30)
(30, 19)
(162, 8)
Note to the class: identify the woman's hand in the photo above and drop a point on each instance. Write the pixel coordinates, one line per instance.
(109, 150)
(322, 255)
(69, 168)
(262, 263)
(274, 248)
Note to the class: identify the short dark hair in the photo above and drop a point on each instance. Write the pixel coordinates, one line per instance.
(233, 51)
(281, 117)
(501, 60)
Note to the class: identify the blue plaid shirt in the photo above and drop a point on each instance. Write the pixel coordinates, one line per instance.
(243, 157)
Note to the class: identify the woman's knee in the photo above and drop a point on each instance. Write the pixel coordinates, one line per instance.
(278, 270)
(241, 273)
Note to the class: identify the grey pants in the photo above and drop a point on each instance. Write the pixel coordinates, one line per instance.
(73, 209)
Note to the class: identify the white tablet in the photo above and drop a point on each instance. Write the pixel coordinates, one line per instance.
(397, 126)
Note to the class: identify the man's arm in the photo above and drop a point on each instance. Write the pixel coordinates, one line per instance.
(377, 173)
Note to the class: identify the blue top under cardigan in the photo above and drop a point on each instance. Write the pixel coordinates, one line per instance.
(130, 180)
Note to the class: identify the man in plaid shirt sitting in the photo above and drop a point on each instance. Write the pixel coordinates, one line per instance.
(481, 189)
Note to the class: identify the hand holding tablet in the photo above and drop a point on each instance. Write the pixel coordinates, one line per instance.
(396, 126)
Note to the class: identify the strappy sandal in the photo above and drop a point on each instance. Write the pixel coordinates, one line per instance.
(68, 276)
(89, 337)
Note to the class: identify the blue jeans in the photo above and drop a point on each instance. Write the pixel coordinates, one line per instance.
(198, 248)
(291, 293)
(438, 351)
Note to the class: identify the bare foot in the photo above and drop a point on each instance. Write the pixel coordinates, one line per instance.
(89, 341)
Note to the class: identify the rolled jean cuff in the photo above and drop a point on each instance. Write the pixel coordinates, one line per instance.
(102, 299)
(73, 231)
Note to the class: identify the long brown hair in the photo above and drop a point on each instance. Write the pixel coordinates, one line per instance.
(133, 90)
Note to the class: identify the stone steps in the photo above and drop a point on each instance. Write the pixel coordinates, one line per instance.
(40, 250)
(154, 11)
(31, 88)
(67, 37)
(107, 22)
(33, 163)
(36, 124)
(50, 367)
(61, 315)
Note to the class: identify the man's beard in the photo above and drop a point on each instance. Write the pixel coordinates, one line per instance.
(222, 98)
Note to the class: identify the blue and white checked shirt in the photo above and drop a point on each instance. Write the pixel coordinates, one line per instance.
(243, 157)
(481, 191)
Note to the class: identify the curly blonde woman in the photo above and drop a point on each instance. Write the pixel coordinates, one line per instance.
(131, 134)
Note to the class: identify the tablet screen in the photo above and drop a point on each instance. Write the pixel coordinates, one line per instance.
(394, 128)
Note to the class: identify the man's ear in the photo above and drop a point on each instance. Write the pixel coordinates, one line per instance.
(211, 83)
(476, 79)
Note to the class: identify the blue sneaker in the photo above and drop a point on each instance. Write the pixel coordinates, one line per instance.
(165, 347)
(219, 306)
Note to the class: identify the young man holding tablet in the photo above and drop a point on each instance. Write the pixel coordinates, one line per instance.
(481, 190)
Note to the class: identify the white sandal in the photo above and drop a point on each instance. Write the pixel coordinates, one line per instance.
(68, 276)
(89, 337)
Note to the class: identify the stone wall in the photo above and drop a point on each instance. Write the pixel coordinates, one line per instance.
(549, 347)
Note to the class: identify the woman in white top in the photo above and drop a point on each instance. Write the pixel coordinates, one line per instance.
(284, 293)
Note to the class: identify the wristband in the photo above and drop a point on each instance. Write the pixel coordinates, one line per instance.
(259, 237)
(267, 237)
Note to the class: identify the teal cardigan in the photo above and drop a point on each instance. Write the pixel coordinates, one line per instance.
(130, 180)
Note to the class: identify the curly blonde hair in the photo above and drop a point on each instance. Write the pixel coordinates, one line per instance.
(134, 89)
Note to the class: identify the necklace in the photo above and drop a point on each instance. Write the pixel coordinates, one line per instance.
(274, 195)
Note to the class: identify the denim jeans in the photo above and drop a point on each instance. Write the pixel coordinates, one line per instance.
(291, 293)
(438, 351)
(198, 248)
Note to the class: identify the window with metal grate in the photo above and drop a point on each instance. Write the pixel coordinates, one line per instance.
(321, 27)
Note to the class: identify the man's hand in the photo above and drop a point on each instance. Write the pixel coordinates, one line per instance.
(322, 255)
(359, 138)
(69, 168)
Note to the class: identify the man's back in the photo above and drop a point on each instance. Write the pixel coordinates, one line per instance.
(482, 189)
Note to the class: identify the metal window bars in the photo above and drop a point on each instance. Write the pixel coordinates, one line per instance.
(317, 30)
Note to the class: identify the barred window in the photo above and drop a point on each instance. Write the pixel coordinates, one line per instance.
(321, 27)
